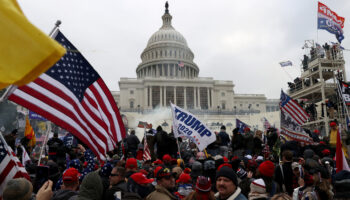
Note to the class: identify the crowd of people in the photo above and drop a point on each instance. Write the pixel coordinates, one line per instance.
(245, 165)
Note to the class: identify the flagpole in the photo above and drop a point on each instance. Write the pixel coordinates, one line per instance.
(45, 141)
(57, 24)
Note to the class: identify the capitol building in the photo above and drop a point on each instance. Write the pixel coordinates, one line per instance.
(167, 73)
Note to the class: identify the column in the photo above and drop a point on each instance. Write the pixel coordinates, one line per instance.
(194, 98)
(165, 102)
(174, 70)
(150, 97)
(145, 101)
(185, 103)
(199, 98)
(208, 98)
(175, 95)
(160, 96)
(212, 97)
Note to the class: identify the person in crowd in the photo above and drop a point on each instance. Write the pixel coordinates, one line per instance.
(18, 189)
(227, 185)
(258, 141)
(236, 143)
(131, 167)
(196, 171)
(258, 190)
(248, 141)
(281, 196)
(138, 187)
(315, 135)
(165, 185)
(161, 141)
(91, 188)
(225, 141)
(132, 141)
(70, 185)
(202, 190)
(117, 183)
(265, 172)
(284, 172)
(184, 185)
(55, 144)
(11, 139)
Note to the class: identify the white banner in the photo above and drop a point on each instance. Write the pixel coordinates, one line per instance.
(186, 124)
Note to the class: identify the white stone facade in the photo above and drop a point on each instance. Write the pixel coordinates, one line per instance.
(167, 73)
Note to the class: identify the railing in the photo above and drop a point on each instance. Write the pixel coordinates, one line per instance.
(196, 111)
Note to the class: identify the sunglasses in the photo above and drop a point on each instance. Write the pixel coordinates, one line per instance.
(114, 175)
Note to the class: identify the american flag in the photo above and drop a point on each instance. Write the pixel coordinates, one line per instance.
(146, 151)
(293, 109)
(266, 123)
(181, 65)
(10, 166)
(72, 95)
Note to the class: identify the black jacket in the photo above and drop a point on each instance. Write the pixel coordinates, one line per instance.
(133, 141)
(287, 177)
(121, 186)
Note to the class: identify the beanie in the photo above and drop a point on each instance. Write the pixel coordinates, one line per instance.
(267, 168)
(203, 184)
(223, 127)
(227, 173)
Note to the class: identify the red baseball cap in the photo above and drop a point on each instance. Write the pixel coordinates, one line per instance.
(184, 178)
(158, 162)
(131, 163)
(166, 158)
(140, 178)
(71, 175)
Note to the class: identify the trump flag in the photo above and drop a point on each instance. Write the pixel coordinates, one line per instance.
(330, 21)
(188, 125)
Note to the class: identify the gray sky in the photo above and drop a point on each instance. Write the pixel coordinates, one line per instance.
(242, 41)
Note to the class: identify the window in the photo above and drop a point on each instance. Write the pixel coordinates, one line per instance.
(131, 104)
(257, 105)
(131, 91)
(222, 94)
(240, 105)
(223, 106)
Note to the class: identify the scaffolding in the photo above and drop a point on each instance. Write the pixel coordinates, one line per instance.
(316, 89)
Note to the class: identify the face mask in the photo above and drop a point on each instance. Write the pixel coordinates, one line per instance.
(185, 189)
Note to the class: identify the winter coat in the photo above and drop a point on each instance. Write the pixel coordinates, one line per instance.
(161, 193)
(64, 195)
(225, 139)
(287, 178)
(237, 142)
(121, 186)
(133, 141)
(237, 195)
(91, 188)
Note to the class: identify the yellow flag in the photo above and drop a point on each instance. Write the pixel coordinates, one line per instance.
(25, 51)
(29, 133)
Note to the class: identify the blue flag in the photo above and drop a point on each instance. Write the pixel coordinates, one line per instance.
(241, 125)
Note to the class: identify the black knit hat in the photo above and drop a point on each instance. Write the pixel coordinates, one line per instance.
(228, 173)
(223, 127)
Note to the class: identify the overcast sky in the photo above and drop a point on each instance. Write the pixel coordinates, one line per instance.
(242, 41)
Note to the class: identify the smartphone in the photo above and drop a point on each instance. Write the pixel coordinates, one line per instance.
(41, 176)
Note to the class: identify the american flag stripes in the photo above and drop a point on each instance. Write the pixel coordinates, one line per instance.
(146, 151)
(181, 65)
(10, 166)
(293, 109)
(292, 117)
(72, 95)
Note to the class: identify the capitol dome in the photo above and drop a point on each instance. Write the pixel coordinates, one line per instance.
(167, 54)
